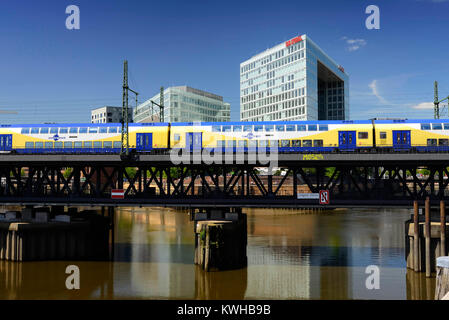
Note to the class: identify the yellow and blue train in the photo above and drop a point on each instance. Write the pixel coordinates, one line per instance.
(286, 136)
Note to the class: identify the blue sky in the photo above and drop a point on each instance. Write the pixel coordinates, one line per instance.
(51, 74)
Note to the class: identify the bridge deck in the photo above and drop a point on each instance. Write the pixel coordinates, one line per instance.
(313, 159)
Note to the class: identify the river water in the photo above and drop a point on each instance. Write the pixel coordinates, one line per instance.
(292, 254)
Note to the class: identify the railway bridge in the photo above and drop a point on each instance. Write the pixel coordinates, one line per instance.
(352, 179)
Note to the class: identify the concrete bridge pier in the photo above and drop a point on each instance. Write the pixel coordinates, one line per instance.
(220, 238)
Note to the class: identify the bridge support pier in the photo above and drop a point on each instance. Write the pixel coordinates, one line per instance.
(426, 238)
(42, 233)
(220, 239)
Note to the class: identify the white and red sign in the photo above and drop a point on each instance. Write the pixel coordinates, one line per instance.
(293, 41)
(324, 197)
(117, 194)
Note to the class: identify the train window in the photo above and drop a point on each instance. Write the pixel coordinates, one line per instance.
(93, 129)
(97, 144)
(243, 143)
(48, 145)
(226, 129)
(437, 126)
(425, 126)
(117, 144)
(232, 143)
(107, 144)
(263, 143)
(296, 143)
(431, 142)
(216, 128)
(54, 130)
(63, 130)
(258, 128)
(25, 130)
(87, 144)
(312, 127)
(39, 145)
(301, 127)
(68, 144)
(44, 131)
(112, 129)
(285, 143)
(317, 143)
(247, 128)
(443, 142)
(29, 145)
(280, 128)
(73, 130)
(363, 135)
(237, 128)
(252, 143)
(83, 130)
(221, 143)
(58, 144)
(34, 130)
(269, 128)
(103, 130)
(446, 126)
(307, 143)
(323, 127)
(290, 127)
(78, 144)
(383, 135)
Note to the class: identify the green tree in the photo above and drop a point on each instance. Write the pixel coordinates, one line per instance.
(67, 172)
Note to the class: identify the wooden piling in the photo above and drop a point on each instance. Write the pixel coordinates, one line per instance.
(442, 228)
(415, 236)
(427, 236)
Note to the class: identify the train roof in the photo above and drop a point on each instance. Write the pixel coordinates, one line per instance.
(43, 125)
(159, 124)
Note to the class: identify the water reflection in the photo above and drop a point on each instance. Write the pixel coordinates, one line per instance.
(292, 254)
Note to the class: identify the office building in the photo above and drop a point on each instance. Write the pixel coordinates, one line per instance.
(108, 114)
(294, 80)
(183, 104)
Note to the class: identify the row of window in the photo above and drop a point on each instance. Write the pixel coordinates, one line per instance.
(73, 130)
(75, 144)
(270, 128)
(437, 142)
(268, 143)
(435, 126)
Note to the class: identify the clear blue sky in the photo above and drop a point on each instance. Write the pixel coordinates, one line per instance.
(49, 73)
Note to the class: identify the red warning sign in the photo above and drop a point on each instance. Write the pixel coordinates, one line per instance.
(324, 197)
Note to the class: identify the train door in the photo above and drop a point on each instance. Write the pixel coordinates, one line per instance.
(347, 140)
(401, 139)
(194, 140)
(144, 141)
(5, 142)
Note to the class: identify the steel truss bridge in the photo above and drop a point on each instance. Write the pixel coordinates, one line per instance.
(353, 179)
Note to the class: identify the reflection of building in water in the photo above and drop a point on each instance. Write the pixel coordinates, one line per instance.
(159, 247)
(277, 267)
(223, 285)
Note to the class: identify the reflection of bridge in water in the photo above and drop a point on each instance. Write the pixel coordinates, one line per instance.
(353, 179)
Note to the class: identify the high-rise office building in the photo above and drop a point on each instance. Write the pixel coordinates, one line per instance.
(184, 104)
(294, 80)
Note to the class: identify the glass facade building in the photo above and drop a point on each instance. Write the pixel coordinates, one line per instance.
(294, 80)
(184, 104)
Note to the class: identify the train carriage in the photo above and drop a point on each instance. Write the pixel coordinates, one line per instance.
(285, 136)
(81, 138)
